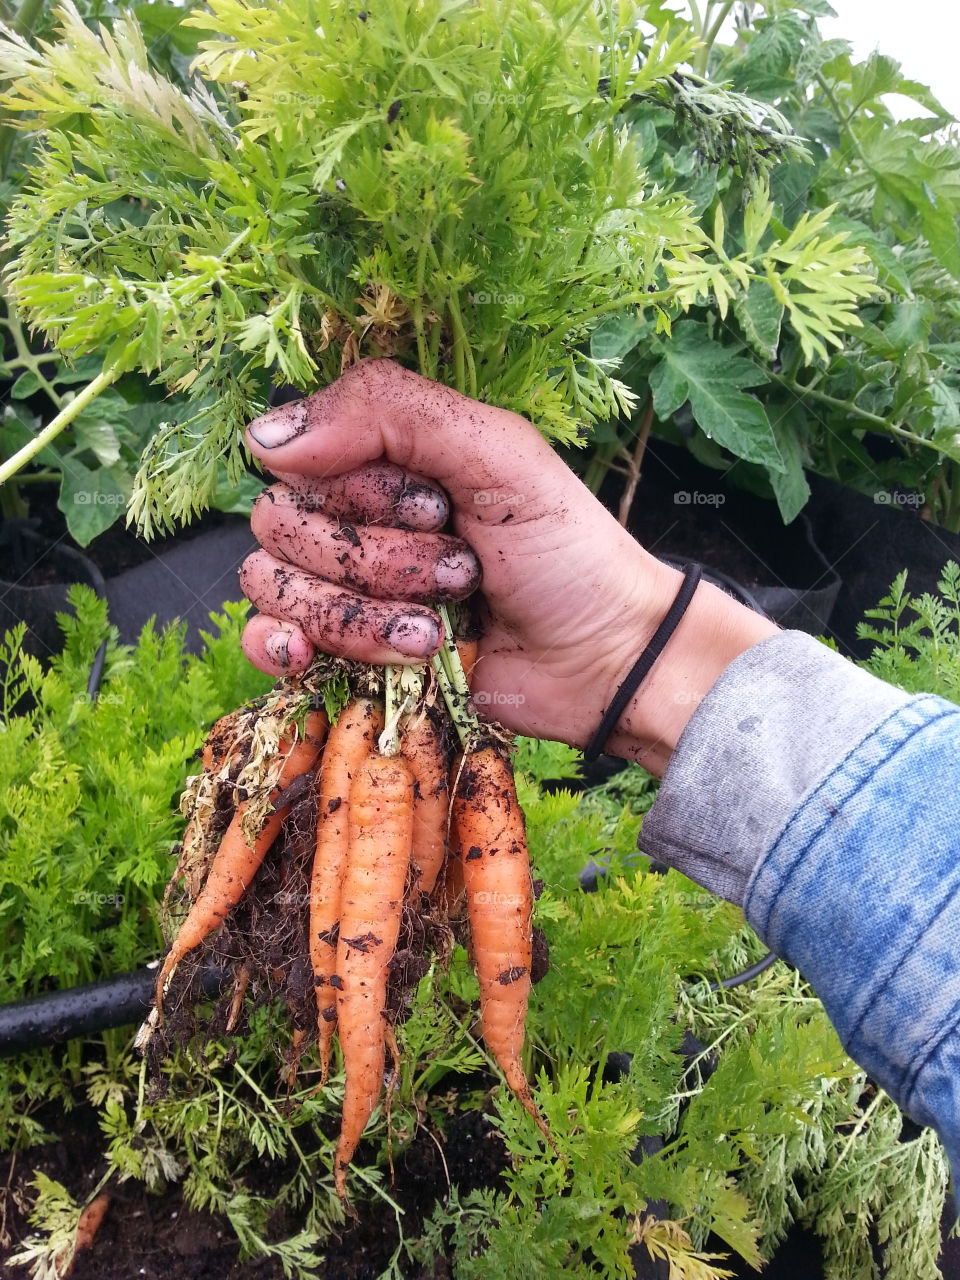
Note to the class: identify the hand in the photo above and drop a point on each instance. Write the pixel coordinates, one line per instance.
(571, 598)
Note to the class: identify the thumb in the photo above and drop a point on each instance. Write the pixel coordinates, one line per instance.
(380, 409)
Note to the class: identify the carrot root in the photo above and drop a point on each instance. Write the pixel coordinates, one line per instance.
(236, 862)
(422, 749)
(381, 838)
(90, 1221)
(349, 743)
(490, 835)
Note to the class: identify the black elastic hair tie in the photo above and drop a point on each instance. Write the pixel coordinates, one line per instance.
(641, 668)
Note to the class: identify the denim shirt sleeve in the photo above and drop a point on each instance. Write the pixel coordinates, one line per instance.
(827, 803)
(860, 891)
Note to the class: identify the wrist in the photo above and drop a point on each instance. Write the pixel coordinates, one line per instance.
(714, 630)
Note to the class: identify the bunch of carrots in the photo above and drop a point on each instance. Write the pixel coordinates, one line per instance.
(412, 821)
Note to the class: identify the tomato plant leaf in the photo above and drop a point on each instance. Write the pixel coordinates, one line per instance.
(712, 377)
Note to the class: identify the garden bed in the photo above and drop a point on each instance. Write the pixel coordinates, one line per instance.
(156, 1237)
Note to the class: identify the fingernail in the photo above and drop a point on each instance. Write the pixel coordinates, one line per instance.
(277, 646)
(414, 635)
(459, 572)
(280, 426)
(421, 507)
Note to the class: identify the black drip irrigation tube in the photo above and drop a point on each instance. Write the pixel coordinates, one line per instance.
(98, 1006)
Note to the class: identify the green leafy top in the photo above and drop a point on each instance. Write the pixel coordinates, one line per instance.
(449, 182)
(892, 187)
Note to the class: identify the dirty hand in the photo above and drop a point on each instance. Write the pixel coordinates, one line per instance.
(371, 468)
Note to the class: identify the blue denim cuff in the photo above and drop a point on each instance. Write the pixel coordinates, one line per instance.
(861, 892)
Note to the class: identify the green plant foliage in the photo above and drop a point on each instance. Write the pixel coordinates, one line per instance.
(917, 639)
(88, 809)
(784, 1129)
(451, 183)
(892, 188)
(96, 459)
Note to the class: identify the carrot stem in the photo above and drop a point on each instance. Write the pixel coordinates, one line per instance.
(402, 692)
(453, 684)
(62, 420)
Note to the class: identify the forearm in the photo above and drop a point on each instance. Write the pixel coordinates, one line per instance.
(713, 632)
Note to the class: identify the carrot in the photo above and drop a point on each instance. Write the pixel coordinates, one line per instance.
(422, 748)
(220, 744)
(236, 862)
(220, 740)
(381, 839)
(489, 830)
(450, 888)
(236, 1002)
(448, 893)
(88, 1225)
(349, 743)
(467, 649)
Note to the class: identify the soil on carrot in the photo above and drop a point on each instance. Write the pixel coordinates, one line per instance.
(157, 1237)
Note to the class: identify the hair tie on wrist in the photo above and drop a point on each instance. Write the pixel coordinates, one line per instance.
(641, 668)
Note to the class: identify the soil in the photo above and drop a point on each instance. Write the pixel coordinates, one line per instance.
(158, 1238)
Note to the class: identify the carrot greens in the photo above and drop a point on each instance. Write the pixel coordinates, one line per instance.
(454, 184)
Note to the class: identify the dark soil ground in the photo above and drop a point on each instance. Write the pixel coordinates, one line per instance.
(157, 1238)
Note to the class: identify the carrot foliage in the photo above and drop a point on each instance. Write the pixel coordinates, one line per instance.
(455, 184)
(783, 1129)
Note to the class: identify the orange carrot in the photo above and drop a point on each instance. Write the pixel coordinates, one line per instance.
(349, 743)
(467, 649)
(448, 894)
(423, 751)
(235, 862)
(488, 823)
(450, 888)
(88, 1225)
(381, 838)
(220, 740)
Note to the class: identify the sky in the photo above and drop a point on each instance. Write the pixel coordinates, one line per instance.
(923, 35)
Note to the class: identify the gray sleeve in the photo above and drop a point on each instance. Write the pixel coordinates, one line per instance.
(777, 722)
